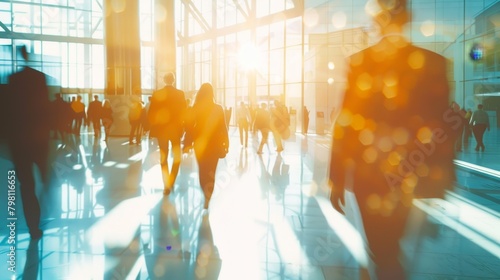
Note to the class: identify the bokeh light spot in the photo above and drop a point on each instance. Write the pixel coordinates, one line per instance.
(416, 60)
(339, 20)
(428, 28)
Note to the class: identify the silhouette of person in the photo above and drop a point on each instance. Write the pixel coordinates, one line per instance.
(134, 118)
(468, 128)
(243, 117)
(62, 115)
(279, 124)
(166, 120)
(305, 124)
(480, 122)
(79, 114)
(209, 131)
(390, 144)
(262, 123)
(29, 136)
(107, 117)
(94, 114)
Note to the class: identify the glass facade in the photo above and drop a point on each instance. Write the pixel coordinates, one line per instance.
(296, 51)
(257, 51)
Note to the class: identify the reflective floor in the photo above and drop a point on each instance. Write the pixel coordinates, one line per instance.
(104, 217)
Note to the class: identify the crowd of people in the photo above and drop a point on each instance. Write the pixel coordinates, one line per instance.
(68, 117)
(375, 135)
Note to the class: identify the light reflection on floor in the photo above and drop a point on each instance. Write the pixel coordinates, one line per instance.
(104, 217)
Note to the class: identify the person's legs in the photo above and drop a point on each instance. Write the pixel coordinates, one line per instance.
(277, 139)
(78, 125)
(383, 232)
(97, 128)
(164, 150)
(481, 128)
(207, 167)
(240, 130)
(138, 133)
(265, 135)
(177, 153)
(475, 131)
(31, 206)
(133, 125)
(245, 130)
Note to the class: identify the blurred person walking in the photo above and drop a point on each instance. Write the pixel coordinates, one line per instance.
(166, 119)
(480, 122)
(262, 123)
(280, 122)
(134, 118)
(243, 118)
(29, 133)
(211, 139)
(390, 144)
(94, 114)
(79, 114)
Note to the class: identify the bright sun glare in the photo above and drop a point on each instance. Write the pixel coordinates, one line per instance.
(248, 57)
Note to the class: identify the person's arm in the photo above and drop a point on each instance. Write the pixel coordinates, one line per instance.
(339, 157)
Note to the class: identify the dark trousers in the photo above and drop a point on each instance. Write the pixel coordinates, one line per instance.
(135, 131)
(383, 232)
(263, 141)
(207, 166)
(24, 158)
(97, 127)
(243, 129)
(169, 175)
(478, 131)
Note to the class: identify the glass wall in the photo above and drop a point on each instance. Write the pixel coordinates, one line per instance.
(256, 51)
(64, 38)
(296, 51)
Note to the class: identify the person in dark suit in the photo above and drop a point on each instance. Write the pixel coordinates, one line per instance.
(166, 119)
(79, 113)
(393, 139)
(210, 132)
(29, 135)
(262, 123)
(94, 114)
(60, 108)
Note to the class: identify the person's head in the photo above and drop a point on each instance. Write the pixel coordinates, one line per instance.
(205, 94)
(263, 105)
(79, 98)
(480, 106)
(96, 98)
(390, 15)
(169, 78)
(242, 104)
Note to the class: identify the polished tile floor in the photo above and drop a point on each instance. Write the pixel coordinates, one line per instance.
(104, 217)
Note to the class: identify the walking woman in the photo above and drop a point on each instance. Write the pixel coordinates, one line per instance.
(211, 140)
